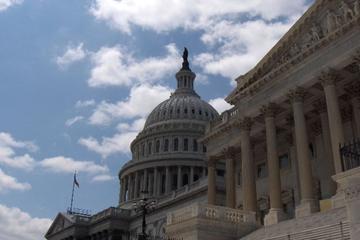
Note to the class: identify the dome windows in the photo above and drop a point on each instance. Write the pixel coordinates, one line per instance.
(176, 144)
(186, 144)
(195, 145)
(157, 146)
(166, 145)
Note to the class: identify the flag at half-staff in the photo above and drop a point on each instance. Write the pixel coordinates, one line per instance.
(75, 181)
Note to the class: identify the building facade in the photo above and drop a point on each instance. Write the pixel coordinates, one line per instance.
(281, 164)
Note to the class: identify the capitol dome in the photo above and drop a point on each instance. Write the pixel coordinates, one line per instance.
(166, 154)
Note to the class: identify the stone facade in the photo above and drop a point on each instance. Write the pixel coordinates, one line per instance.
(271, 162)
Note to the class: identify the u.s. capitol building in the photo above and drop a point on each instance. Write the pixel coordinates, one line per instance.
(281, 164)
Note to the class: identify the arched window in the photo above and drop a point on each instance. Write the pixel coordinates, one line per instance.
(185, 111)
(149, 147)
(166, 145)
(186, 144)
(196, 177)
(193, 111)
(195, 145)
(204, 148)
(157, 146)
(176, 144)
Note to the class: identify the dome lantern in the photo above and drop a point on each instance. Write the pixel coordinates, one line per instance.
(185, 77)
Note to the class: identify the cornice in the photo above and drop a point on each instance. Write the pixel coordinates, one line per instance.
(308, 35)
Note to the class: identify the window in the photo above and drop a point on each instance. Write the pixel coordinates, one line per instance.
(204, 148)
(149, 147)
(185, 111)
(157, 146)
(166, 145)
(195, 145)
(200, 112)
(220, 173)
(261, 170)
(176, 144)
(284, 161)
(196, 177)
(186, 144)
(193, 111)
(178, 111)
(185, 179)
(143, 149)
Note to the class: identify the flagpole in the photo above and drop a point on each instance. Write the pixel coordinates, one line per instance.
(72, 194)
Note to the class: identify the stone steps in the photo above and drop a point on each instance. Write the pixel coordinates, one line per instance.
(319, 226)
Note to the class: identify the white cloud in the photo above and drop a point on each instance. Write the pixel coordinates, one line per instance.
(240, 45)
(8, 155)
(114, 66)
(187, 14)
(71, 55)
(73, 120)
(10, 183)
(119, 143)
(85, 103)
(5, 4)
(142, 99)
(220, 104)
(62, 164)
(16, 224)
(102, 178)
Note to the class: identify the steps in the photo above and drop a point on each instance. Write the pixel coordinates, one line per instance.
(330, 225)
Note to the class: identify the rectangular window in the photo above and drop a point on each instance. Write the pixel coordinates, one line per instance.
(262, 170)
(284, 161)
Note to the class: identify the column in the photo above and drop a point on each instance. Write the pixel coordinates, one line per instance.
(320, 107)
(145, 183)
(191, 180)
(230, 177)
(354, 93)
(122, 187)
(248, 171)
(156, 186)
(179, 182)
(126, 188)
(131, 188)
(307, 203)
(136, 191)
(167, 180)
(335, 122)
(211, 181)
(276, 213)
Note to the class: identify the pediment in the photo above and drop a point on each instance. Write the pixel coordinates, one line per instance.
(322, 24)
(61, 222)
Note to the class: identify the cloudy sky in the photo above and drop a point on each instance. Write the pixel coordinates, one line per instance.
(78, 79)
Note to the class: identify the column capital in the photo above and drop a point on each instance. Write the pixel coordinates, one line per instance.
(316, 128)
(329, 77)
(269, 110)
(245, 123)
(320, 106)
(229, 152)
(211, 162)
(353, 90)
(296, 95)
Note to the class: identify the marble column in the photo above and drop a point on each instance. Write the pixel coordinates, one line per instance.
(179, 177)
(230, 178)
(211, 181)
(328, 80)
(308, 204)
(136, 192)
(320, 107)
(248, 171)
(354, 93)
(167, 180)
(276, 213)
(191, 180)
(146, 179)
(131, 188)
(122, 190)
(156, 185)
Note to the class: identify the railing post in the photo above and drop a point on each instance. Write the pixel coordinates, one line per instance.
(341, 230)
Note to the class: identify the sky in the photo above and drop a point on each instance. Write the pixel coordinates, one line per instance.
(78, 79)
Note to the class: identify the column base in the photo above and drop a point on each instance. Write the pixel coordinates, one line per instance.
(275, 216)
(306, 208)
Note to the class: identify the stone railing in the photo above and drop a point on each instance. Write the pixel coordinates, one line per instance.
(211, 212)
(225, 117)
(111, 211)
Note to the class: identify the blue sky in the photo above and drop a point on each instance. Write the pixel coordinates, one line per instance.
(78, 79)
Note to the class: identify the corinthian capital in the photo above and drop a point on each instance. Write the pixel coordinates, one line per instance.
(353, 90)
(296, 95)
(245, 124)
(229, 152)
(269, 110)
(320, 106)
(329, 77)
